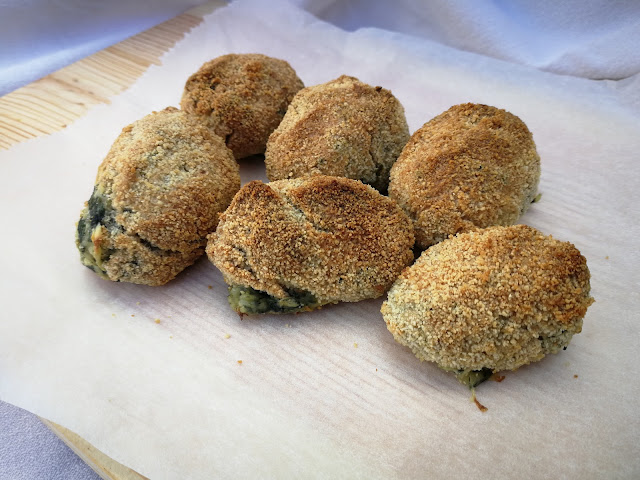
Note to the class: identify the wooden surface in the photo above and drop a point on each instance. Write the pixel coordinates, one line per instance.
(53, 102)
(104, 466)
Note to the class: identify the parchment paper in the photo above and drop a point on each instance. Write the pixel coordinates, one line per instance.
(325, 394)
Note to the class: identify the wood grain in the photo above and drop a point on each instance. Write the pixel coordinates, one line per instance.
(53, 102)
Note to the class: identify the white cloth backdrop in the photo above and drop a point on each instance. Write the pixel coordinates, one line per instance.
(38, 37)
(595, 39)
(592, 39)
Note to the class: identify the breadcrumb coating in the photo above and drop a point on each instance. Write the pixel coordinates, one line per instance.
(242, 97)
(157, 196)
(333, 238)
(472, 166)
(343, 128)
(496, 298)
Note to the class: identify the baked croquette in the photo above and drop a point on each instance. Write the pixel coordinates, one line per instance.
(344, 128)
(472, 166)
(490, 300)
(242, 98)
(295, 245)
(157, 196)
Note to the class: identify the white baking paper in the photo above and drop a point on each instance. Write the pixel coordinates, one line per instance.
(325, 394)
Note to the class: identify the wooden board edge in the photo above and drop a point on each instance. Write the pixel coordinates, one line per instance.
(103, 465)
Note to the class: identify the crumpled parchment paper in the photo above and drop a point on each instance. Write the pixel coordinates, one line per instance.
(325, 394)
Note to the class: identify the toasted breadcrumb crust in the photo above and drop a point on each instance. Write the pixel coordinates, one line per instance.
(334, 237)
(242, 97)
(472, 166)
(343, 128)
(495, 298)
(161, 188)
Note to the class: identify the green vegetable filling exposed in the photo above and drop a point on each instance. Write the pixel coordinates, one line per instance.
(96, 220)
(250, 301)
(472, 378)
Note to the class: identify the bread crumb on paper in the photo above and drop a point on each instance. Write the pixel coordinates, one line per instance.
(481, 407)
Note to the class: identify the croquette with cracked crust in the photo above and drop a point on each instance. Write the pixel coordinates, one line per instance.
(242, 97)
(295, 245)
(157, 196)
(344, 128)
(472, 166)
(490, 300)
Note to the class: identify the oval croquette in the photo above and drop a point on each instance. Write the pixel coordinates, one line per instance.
(472, 166)
(157, 196)
(298, 244)
(343, 128)
(490, 300)
(242, 98)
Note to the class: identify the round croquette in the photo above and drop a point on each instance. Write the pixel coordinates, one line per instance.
(298, 244)
(472, 166)
(489, 300)
(242, 98)
(157, 196)
(343, 128)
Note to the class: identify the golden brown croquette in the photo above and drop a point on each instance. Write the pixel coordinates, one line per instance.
(242, 97)
(344, 128)
(489, 300)
(472, 166)
(297, 244)
(157, 196)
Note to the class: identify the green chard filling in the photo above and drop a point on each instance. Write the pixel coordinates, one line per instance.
(97, 220)
(250, 301)
(471, 378)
